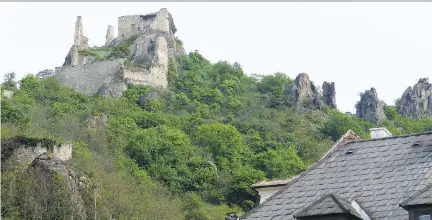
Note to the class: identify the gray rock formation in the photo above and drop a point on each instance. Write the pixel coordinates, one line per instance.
(153, 45)
(45, 73)
(304, 92)
(329, 94)
(416, 101)
(46, 169)
(370, 108)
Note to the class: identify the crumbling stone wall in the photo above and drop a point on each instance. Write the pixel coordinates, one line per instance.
(135, 24)
(89, 78)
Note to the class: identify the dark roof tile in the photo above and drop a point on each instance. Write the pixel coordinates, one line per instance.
(378, 175)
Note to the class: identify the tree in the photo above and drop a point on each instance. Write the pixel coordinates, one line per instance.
(9, 81)
(281, 163)
(223, 142)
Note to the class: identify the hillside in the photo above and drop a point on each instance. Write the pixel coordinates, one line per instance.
(190, 150)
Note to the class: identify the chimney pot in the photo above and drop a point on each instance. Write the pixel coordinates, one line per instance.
(379, 133)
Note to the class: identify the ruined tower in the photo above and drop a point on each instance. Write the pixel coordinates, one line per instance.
(109, 35)
(78, 31)
(80, 43)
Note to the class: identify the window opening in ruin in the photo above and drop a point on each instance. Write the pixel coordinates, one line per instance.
(139, 29)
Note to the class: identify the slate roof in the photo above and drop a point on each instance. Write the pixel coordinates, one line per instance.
(378, 174)
(329, 204)
(271, 183)
(422, 197)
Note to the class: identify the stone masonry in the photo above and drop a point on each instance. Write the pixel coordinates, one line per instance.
(80, 43)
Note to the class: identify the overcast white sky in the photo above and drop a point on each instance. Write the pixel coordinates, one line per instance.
(357, 45)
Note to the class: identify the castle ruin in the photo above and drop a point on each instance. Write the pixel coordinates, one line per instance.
(99, 70)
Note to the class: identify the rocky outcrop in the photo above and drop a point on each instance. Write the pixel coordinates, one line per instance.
(329, 94)
(23, 150)
(416, 101)
(304, 92)
(370, 108)
(51, 172)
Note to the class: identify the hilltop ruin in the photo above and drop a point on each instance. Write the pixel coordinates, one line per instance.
(140, 54)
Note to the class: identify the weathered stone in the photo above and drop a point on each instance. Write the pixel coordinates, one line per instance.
(89, 79)
(110, 35)
(46, 168)
(305, 93)
(80, 43)
(370, 108)
(26, 154)
(305, 87)
(329, 94)
(416, 101)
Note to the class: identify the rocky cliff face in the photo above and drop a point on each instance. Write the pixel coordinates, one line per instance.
(416, 101)
(370, 108)
(51, 172)
(304, 92)
(150, 44)
(329, 94)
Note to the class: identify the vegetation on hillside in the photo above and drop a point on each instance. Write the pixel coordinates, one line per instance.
(191, 152)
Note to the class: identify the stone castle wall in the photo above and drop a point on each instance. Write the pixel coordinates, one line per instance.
(89, 78)
(135, 24)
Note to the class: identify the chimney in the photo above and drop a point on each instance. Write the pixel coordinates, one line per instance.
(379, 133)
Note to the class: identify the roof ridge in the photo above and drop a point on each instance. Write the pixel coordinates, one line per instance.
(392, 137)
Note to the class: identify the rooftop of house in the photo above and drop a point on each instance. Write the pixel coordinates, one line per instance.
(271, 183)
(373, 177)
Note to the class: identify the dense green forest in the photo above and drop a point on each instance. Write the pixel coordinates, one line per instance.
(191, 151)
